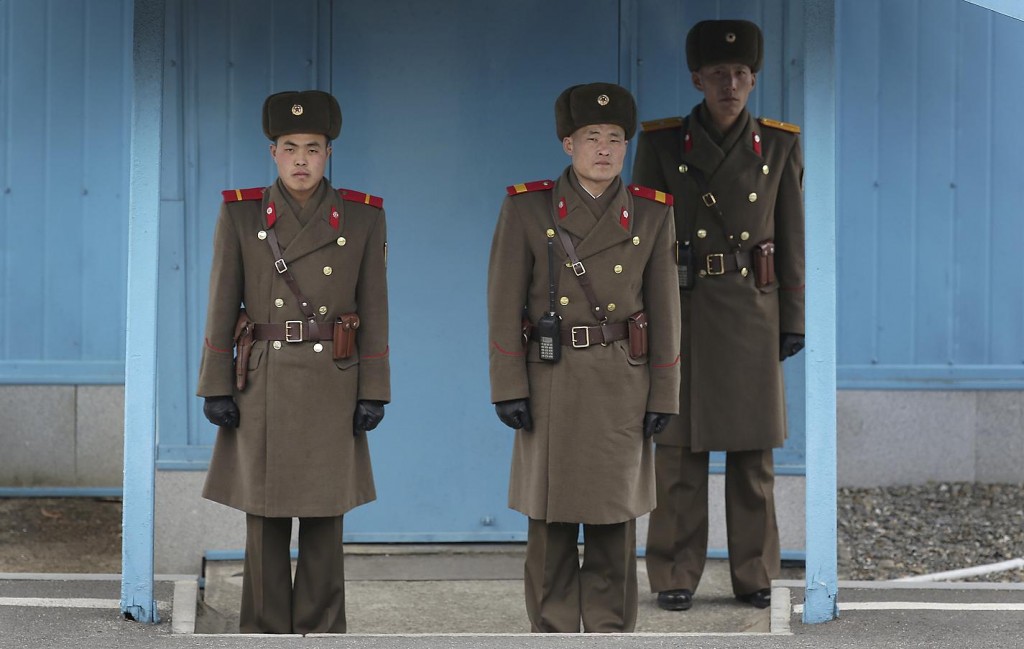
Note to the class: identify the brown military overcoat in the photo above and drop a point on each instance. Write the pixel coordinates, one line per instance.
(294, 454)
(732, 390)
(586, 459)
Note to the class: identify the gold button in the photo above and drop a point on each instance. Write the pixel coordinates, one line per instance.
(744, 235)
(744, 272)
(279, 303)
(752, 197)
(636, 241)
(702, 233)
(341, 241)
(322, 310)
(564, 301)
(765, 170)
(318, 348)
(683, 169)
(262, 234)
(551, 233)
(277, 344)
(703, 273)
(328, 270)
(618, 268)
(611, 307)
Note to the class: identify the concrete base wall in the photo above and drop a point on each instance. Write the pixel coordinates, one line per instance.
(908, 437)
(61, 435)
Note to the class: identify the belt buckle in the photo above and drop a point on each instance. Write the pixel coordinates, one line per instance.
(709, 199)
(577, 267)
(720, 257)
(288, 326)
(280, 266)
(580, 345)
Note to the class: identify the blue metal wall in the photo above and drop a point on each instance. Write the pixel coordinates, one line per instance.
(64, 107)
(446, 104)
(930, 220)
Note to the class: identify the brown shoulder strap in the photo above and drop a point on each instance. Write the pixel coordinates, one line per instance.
(313, 330)
(578, 269)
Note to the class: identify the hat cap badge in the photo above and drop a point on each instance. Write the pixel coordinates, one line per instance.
(730, 38)
(297, 109)
(603, 100)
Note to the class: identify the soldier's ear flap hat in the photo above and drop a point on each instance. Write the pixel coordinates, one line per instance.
(710, 42)
(594, 103)
(309, 111)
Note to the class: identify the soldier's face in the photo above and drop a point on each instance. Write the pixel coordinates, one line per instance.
(301, 159)
(598, 152)
(726, 88)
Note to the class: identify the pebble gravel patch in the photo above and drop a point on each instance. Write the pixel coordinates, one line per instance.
(892, 532)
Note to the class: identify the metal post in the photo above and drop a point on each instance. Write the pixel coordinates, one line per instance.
(820, 598)
(137, 602)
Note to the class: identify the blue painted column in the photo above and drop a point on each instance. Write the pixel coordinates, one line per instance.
(137, 602)
(820, 598)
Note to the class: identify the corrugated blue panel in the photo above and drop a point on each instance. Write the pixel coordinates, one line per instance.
(445, 105)
(929, 223)
(63, 211)
(222, 59)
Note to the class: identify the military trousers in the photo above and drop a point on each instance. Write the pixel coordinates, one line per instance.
(271, 602)
(677, 533)
(602, 592)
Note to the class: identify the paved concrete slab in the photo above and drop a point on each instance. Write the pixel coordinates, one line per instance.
(478, 590)
(880, 615)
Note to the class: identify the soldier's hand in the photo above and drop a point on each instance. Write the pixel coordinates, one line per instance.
(654, 423)
(790, 344)
(368, 415)
(515, 413)
(221, 411)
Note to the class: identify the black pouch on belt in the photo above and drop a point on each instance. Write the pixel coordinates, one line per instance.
(637, 335)
(684, 264)
(549, 336)
(763, 261)
(345, 335)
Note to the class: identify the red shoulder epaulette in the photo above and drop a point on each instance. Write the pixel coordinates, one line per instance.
(651, 194)
(782, 126)
(251, 194)
(536, 185)
(659, 124)
(360, 197)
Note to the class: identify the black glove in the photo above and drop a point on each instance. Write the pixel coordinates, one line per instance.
(368, 415)
(221, 411)
(654, 423)
(515, 413)
(790, 344)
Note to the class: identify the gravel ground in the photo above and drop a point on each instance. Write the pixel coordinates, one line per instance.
(884, 533)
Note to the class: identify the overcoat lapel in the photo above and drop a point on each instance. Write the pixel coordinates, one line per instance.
(318, 231)
(593, 236)
(742, 156)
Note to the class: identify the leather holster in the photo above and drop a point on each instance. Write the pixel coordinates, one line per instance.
(244, 328)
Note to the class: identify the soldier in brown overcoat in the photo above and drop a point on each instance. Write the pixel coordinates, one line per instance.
(309, 375)
(582, 272)
(738, 188)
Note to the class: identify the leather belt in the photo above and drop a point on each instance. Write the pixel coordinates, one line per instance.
(293, 331)
(724, 262)
(582, 337)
